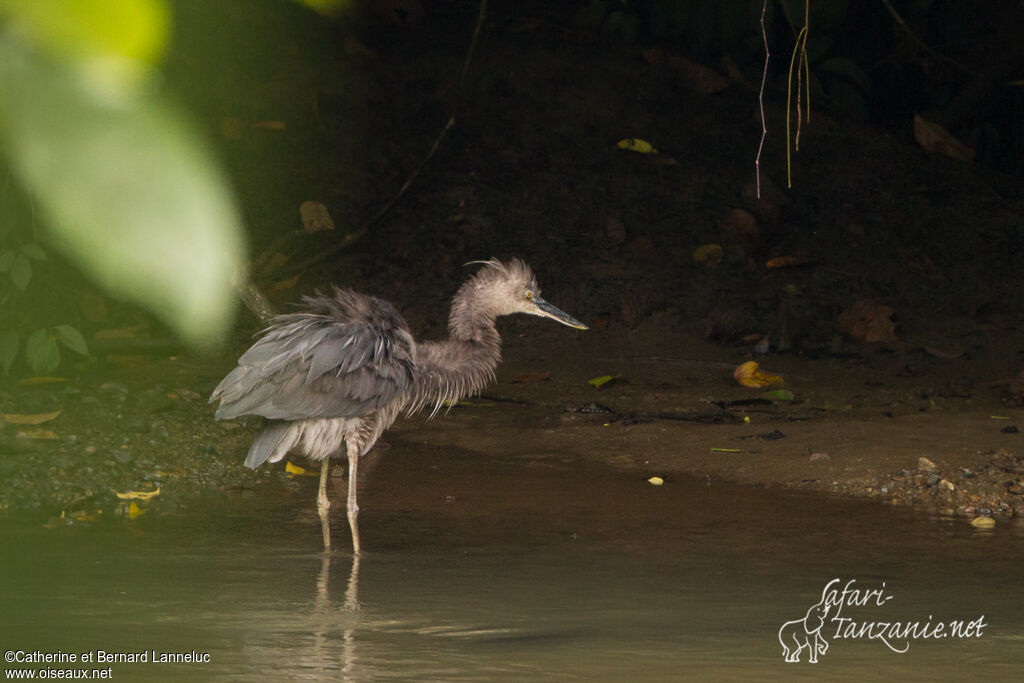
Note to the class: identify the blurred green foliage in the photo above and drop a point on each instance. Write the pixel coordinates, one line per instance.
(127, 188)
(41, 346)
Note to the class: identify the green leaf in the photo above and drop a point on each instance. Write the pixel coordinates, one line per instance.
(129, 189)
(9, 342)
(21, 271)
(780, 395)
(135, 29)
(41, 352)
(6, 261)
(33, 251)
(71, 338)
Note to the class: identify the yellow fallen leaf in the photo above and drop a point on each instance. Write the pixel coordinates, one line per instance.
(34, 381)
(749, 375)
(636, 145)
(657, 481)
(983, 522)
(298, 471)
(134, 511)
(39, 434)
(598, 382)
(138, 495)
(35, 419)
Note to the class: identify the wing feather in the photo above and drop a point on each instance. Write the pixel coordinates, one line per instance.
(342, 357)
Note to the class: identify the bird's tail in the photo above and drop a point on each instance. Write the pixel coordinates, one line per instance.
(271, 441)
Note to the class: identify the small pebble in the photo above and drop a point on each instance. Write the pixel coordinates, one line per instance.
(122, 455)
(946, 485)
(656, 481)
(932, 480)
(926, 465)
(983, 522)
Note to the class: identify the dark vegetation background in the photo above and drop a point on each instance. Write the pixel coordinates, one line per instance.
(344, 110)
(531, 167)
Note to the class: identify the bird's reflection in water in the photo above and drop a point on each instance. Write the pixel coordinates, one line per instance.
(326, 619)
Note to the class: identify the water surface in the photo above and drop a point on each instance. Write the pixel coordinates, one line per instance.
(489, 569)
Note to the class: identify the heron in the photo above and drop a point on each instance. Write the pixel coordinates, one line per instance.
(332, 377)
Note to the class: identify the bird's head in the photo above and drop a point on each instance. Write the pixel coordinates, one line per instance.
(511, 287)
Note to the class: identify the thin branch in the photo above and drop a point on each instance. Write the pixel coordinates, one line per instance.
(760, 100)
(921, 44)
(802, 67)
(789, 97)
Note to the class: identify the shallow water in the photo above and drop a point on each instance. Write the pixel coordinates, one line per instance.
(496, 569)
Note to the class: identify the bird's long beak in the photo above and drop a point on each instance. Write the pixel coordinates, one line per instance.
(548, 311)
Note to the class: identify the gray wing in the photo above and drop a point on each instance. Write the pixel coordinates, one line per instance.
(353, 357)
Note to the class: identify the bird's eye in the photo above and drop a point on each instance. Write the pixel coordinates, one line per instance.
(528, 295)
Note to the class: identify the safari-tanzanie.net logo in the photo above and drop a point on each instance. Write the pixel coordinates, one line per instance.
(850, 613)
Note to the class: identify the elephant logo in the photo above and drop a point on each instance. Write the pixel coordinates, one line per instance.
(805, 634)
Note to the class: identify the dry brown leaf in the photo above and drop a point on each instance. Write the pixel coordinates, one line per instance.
(939, 352)
(284, 285)
(868, 322)
(786, 261)
(743, 226)
(934, 138)
(315, 217)
(698, 77)
(276, 261)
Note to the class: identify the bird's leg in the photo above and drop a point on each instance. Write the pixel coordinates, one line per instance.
(323, 505)
(353, 507)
